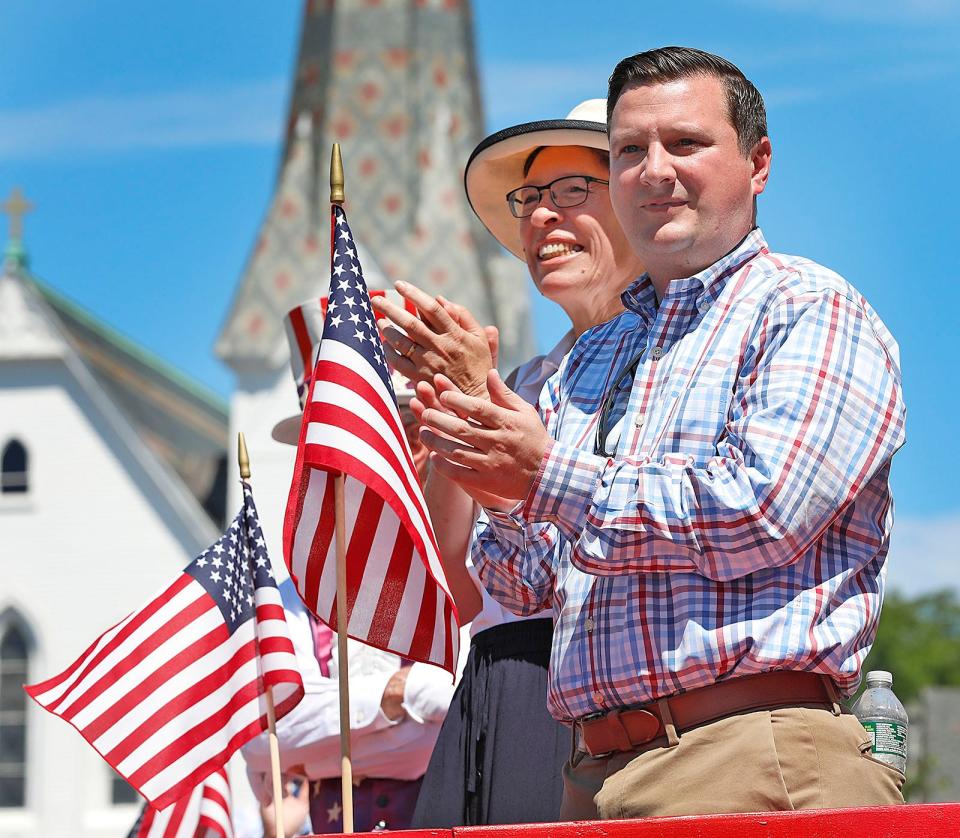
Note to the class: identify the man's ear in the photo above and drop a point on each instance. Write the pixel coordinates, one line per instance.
(760, 156)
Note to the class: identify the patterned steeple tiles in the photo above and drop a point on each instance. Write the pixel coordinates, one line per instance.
(394, 82)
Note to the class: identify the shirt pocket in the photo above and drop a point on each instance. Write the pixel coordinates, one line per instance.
(694, 420)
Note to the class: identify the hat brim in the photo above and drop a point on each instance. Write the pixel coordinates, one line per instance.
(287, 431)
(496, 167)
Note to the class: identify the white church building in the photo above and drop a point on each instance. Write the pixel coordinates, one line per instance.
(106, 458)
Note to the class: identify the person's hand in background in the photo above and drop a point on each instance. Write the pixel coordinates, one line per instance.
(392, 702)
(296, 808)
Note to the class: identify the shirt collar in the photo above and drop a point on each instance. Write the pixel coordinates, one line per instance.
(704, 285)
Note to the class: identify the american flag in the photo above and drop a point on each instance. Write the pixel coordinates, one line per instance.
(397, 594)
(205, 813)
(169, 693)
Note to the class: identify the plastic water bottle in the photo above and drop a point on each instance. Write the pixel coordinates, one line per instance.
(883, 717)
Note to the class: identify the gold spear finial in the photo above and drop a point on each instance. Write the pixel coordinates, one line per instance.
(243, 458)
(336, 175)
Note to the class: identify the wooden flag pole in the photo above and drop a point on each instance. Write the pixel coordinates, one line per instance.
(243, 459)
(346, 763)
(343, 663)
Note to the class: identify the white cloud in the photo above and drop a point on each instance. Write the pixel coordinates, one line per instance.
(248, 113)
(873, 11)
(793, 95)
(925, 554)
(520, 91)
(848, 83)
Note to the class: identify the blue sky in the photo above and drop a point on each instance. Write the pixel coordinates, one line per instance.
(148, 136)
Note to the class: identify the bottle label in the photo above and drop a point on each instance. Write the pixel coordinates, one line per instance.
(887, 737)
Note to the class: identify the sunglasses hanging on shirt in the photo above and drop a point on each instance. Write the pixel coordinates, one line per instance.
(607, 418)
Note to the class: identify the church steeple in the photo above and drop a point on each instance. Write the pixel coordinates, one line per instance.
(394, 82)
(15, 256)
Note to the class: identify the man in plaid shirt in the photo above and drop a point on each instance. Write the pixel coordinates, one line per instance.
(703, 498)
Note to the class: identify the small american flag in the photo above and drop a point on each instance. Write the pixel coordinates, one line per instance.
(397, 594)
(205, 813)
(304, 326)
(168, 694)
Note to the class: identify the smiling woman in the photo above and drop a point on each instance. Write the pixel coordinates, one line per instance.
(576, 253)
(557, 215)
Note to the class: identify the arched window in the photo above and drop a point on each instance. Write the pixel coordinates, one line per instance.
(13, 714)
(120, 790)
(13, 468)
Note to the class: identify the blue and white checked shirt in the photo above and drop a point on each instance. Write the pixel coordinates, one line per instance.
(743, 524)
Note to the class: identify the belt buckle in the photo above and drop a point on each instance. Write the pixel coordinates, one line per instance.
(590, 718)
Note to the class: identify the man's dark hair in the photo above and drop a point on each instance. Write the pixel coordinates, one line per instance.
(657, 66)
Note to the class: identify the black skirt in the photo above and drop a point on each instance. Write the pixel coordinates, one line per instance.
(500, 754)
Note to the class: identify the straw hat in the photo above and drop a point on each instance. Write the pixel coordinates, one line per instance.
(496, 165)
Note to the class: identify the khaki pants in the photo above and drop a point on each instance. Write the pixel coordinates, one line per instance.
(766, 760)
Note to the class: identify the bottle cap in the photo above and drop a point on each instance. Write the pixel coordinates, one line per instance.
(879, 678)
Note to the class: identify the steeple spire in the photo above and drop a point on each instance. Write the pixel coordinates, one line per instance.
(16, 207)
(394, 82)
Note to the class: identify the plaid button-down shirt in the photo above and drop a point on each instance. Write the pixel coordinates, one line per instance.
(743, 523)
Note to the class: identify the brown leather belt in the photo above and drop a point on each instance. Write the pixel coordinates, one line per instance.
(627, 729)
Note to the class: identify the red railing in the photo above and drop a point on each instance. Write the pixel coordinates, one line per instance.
(926, 820)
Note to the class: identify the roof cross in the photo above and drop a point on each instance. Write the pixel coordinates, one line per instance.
(16, 206)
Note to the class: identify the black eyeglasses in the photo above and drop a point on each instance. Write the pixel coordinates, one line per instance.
(607, 417)
(568, 191)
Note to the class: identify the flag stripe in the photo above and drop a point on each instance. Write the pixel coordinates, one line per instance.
(55, 687)
(361, 540)
(89, 675)
(176, 818)
(303, 339)
(377, 583)
(105, 645)
(343, 451)
(360, 407)
(396, 575)
(323, 536)
(141, 701)
(191, 747)
(175, 706)
(104, 692)
(326, 421)
(200, 814)
(179, 631)
(359, 460)
(146, 821)
(367, 418)
(408, 612)
(340, 381)
(407, 636)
